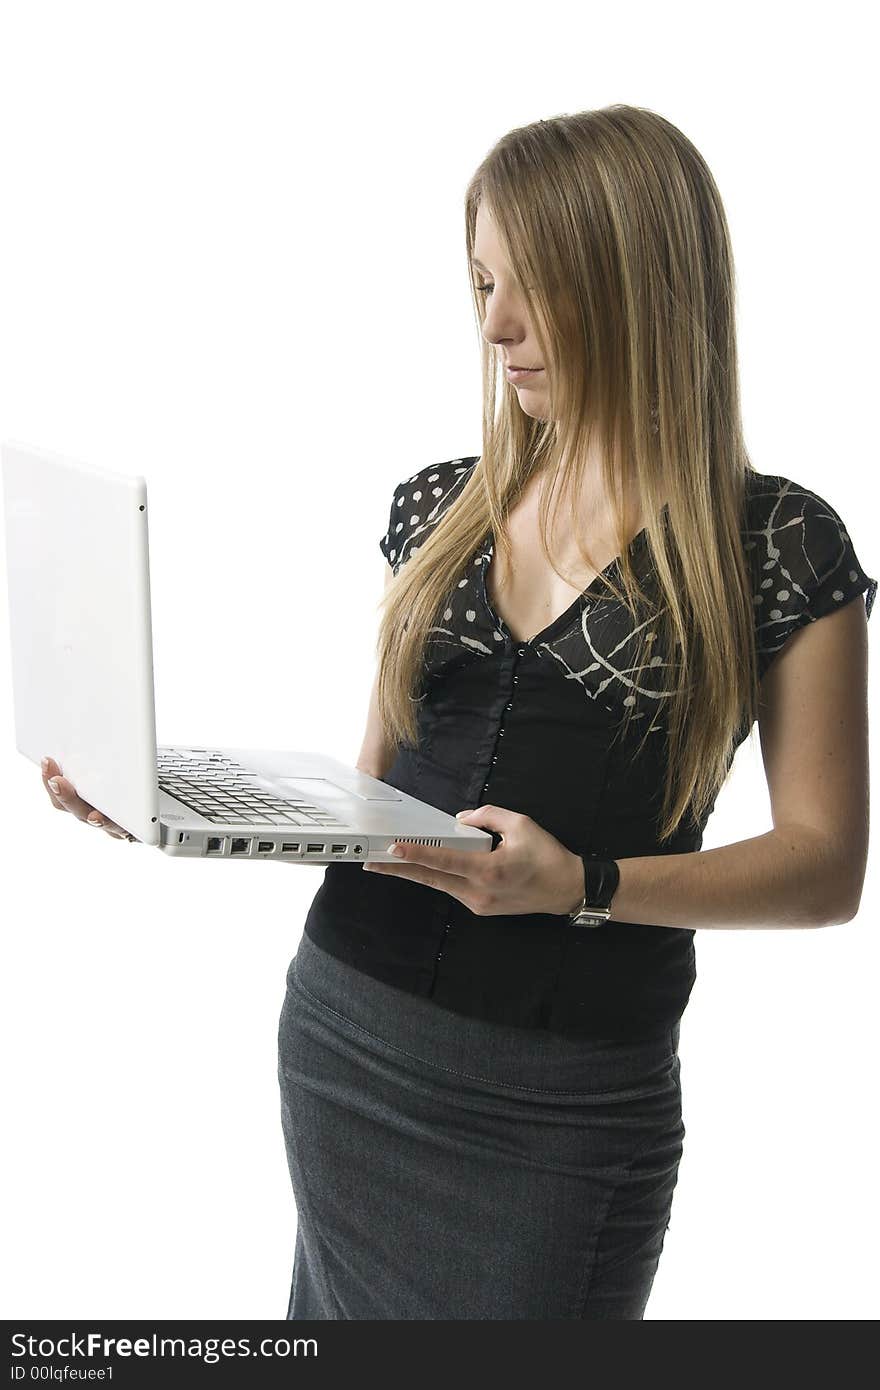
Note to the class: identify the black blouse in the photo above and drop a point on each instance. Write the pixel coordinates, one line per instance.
(531, 726)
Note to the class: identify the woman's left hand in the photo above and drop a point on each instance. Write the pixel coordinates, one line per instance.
(530, 871)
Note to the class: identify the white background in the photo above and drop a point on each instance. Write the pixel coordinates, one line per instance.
(233, 261)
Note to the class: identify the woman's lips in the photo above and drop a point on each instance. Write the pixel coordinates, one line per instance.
(523, 373)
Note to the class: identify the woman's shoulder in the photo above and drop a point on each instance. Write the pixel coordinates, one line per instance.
(802, 558)
(788, 523)
(418, 503)
(775, 497)
(433, 481)
(767, 491)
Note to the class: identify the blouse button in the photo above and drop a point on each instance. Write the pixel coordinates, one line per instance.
(495, 759)
(521, 651)
(509, 705)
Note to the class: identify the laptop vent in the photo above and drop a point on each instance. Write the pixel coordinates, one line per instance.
(419, 840)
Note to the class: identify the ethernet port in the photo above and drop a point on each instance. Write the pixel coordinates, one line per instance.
(216, 843)
(241, 846)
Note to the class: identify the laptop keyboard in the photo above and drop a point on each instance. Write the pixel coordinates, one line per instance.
(223, 791)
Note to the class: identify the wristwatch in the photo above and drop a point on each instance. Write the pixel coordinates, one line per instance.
(601, 877)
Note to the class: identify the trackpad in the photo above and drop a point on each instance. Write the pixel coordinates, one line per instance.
(319, 789)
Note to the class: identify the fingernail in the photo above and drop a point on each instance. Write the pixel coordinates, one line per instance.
(53, 783)
(395, 849)
(89, 821)
(44, 764)
(459, 814)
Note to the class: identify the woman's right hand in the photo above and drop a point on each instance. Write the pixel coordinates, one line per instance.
(64, 798)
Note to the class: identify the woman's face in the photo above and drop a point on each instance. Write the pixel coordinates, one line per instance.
(506, 324)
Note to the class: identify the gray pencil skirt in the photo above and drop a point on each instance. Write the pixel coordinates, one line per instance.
(449, 1167)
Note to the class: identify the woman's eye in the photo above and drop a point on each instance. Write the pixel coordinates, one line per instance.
(484, 289)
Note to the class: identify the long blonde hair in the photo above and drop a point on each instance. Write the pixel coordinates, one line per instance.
(617, 239)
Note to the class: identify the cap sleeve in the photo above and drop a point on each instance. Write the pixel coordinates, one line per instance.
(392, 542)
(804, 565)
(418, 504)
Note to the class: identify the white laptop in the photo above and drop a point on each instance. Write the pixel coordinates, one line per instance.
(78, 570)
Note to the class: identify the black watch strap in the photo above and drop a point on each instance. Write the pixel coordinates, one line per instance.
(601, 877)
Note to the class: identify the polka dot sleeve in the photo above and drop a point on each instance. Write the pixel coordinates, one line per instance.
(418, 504)
(391, 543)
(803, 563)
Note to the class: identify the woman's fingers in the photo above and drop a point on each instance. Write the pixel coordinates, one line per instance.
(50, 771)
(65, 798)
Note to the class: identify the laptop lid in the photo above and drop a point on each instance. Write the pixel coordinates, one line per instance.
(80, 628)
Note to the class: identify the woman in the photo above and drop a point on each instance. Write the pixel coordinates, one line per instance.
(479, 1052)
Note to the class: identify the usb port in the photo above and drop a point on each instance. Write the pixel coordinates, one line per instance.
(289, 849)
(241, 846)
(265, 846)
(314, 849)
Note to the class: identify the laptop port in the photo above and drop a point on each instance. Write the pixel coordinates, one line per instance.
(314, 849)
(339, 849)
(289, 849)
(216, 843)
(265, 846)
(241, 846)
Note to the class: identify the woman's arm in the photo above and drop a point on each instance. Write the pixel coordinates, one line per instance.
(808, 871)
(376, 755)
